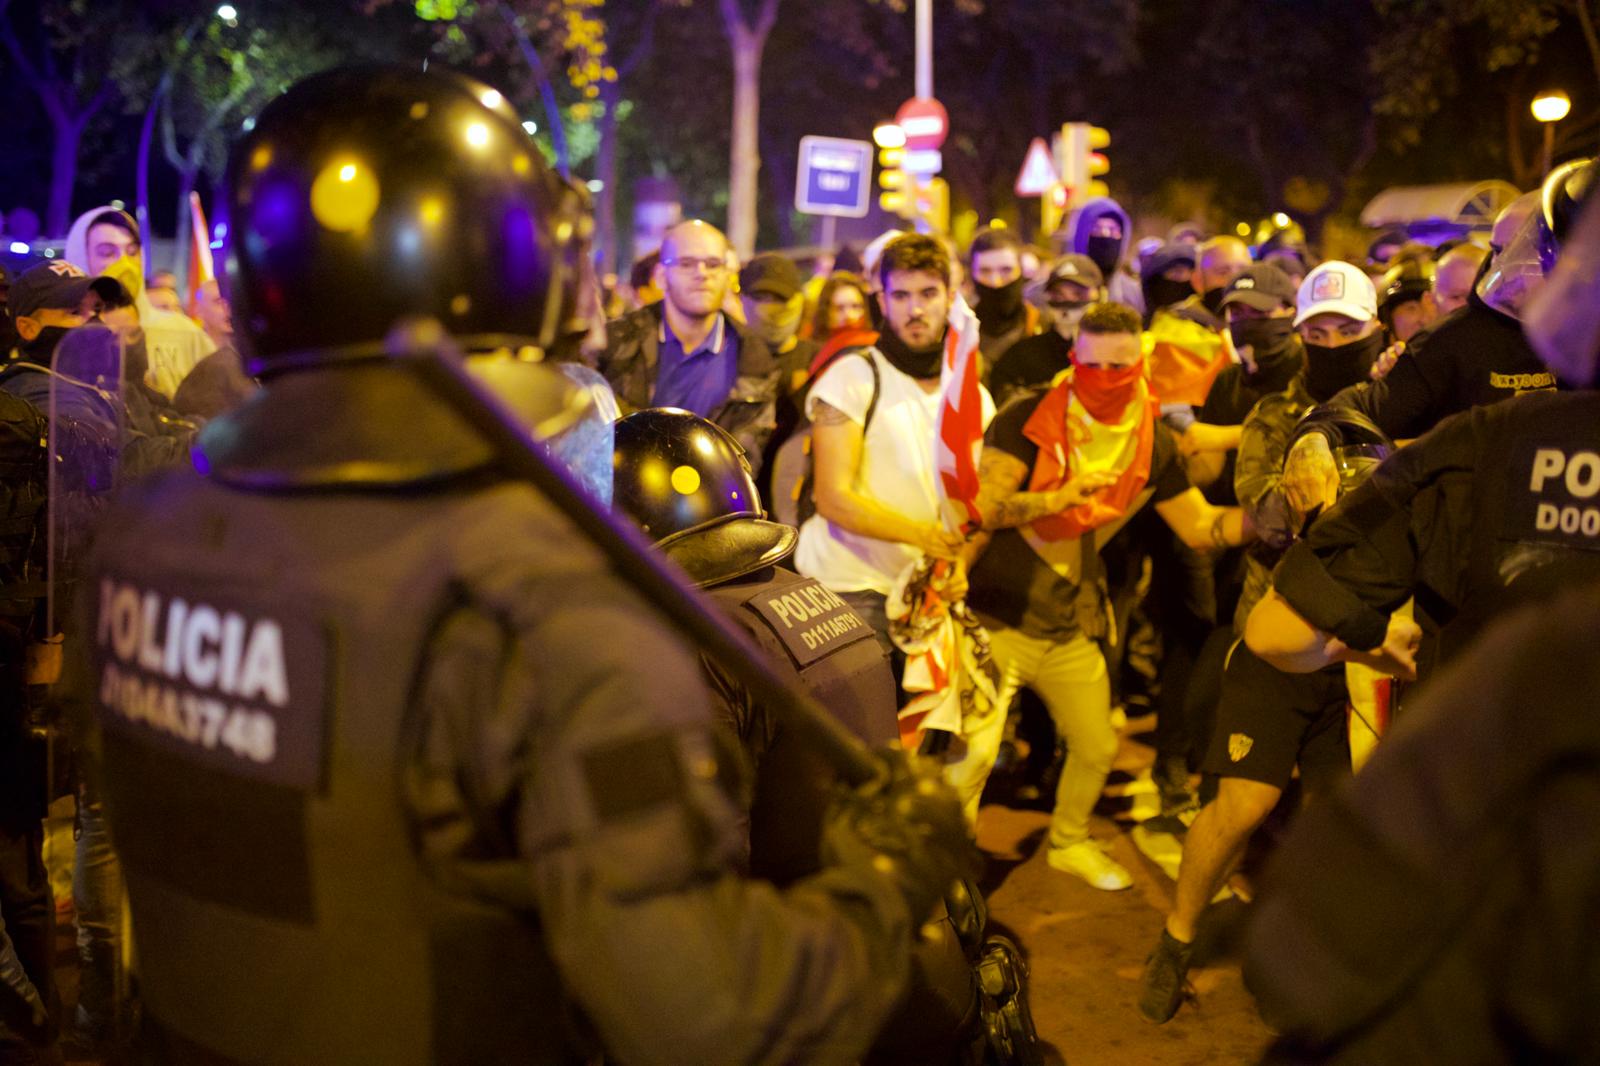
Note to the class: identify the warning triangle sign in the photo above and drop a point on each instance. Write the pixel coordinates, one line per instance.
(1038, 170)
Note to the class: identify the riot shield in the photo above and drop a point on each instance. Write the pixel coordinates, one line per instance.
(87, 419)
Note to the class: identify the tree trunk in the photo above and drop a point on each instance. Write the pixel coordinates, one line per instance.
(63, 174)
(747, 41)
(605, 168)
(744, 163)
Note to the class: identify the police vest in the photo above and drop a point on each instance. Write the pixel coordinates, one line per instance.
(254, 658)
(810, 634)
(1536, 509)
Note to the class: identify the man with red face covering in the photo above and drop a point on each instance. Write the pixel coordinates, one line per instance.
(1064, 466)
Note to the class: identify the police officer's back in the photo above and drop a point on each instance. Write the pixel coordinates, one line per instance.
(400, 772)
(706, 515)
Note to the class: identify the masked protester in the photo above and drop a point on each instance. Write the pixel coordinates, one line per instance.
(1004, 317)
(1065, 466)
(1165, 277)
(455, 748)
(1072, 285)
(1268, 722)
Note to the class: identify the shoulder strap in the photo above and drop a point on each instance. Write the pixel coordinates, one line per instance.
(877, 386)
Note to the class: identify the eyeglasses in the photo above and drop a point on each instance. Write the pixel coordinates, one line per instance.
(711, 264)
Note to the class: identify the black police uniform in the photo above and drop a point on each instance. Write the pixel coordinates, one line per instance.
(1471, 357)
(812, 635)
(1485, 501)
(406, 776)
(399, 770)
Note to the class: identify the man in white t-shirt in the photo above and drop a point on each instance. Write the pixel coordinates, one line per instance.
(875, 482)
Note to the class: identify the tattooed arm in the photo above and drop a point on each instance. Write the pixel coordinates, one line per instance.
(1003, 506)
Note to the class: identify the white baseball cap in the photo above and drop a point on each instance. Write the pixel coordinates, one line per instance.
(1337, 288)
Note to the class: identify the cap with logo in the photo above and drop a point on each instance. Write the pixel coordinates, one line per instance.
(1339, 289)
(771, 273)
(1264, 287)
(1076, 268)
(58, 285)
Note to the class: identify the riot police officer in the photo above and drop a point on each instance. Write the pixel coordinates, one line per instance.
(687, 483)
(399, 770)
(1469, 515)
(1442, 907)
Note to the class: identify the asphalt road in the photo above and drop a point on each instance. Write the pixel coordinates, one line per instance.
(1086, 947)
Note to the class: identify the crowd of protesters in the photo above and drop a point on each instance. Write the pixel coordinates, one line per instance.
(1143, 467)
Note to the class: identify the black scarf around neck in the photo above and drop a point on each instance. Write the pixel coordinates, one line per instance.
(922, 363)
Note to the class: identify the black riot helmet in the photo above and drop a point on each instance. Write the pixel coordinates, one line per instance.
(1518, 270)
(366, 194)
(1408, 280)
(687, 483)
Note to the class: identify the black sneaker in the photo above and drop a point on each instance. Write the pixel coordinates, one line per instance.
(1165, 984)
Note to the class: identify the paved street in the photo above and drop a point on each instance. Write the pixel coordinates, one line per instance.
(1087, 947)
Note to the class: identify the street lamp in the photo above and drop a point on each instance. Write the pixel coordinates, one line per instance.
(1550, 107)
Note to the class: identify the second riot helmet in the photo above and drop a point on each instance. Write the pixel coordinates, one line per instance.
(687, 483)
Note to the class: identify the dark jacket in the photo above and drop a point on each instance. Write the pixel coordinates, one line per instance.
(633, 353)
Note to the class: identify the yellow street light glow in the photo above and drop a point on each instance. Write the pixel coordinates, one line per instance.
(347, 173)
(1280, 220)
(477, 134)
(1551, 106)
(491, 98)
(1242, 229)
(888, 135)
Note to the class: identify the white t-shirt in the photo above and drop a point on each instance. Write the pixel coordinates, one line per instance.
(897, 469)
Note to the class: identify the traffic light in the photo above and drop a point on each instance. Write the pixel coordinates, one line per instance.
(1082, 164)
(896, 196)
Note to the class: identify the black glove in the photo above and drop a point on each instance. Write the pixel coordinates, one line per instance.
(905, 825)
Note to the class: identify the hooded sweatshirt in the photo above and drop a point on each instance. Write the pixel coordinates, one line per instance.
(175, 342)
(1119, 286)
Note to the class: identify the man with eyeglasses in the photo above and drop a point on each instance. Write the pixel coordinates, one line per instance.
(685, 352)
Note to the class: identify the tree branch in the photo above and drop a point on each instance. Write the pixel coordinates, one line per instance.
(1586, 21)
(646, 42)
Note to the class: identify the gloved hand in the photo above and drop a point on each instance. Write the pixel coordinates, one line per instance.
(907, 826)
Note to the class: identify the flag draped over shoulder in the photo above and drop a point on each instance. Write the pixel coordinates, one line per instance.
(959, 439)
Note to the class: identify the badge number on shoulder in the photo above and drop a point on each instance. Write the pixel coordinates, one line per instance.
(811, 621)
(236, 686)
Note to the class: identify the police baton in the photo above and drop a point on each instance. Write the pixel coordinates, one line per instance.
(423, 348)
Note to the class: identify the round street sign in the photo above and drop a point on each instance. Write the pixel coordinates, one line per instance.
(925, 122)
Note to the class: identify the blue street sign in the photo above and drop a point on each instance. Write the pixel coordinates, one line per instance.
(835, 177)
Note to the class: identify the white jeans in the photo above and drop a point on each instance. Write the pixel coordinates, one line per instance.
(1071, 679)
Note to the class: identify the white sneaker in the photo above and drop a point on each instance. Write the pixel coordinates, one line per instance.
(1085, 859)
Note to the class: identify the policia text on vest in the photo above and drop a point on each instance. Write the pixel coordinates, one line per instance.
(1559, 482)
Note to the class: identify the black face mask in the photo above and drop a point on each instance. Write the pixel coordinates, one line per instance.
(1162, 292)
(1105, 253)
(920, 363)
(42, 349)
(8, 336)
(1212, 299)
(999, 308)
(1330, 369)
(1273, 350)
